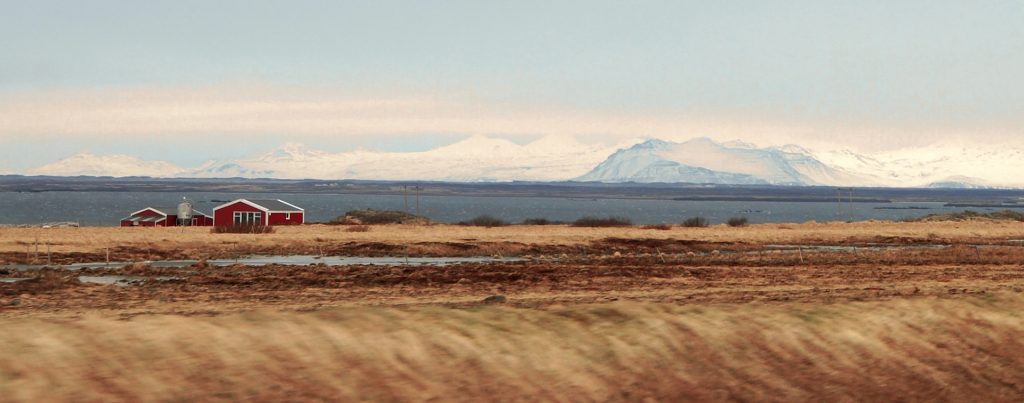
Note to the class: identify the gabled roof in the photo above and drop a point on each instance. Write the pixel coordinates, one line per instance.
(144, 219)
(167, 211)
(267, 205)
(174, 211)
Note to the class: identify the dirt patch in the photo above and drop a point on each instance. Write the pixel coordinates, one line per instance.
(44, 282)
(656, 245)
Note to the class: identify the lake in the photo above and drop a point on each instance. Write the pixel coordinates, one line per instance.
(107, 208)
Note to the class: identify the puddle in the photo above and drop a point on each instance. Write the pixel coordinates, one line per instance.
(123, 281)
(852, 248)
(14, 279)
(297, 260)
(302, 260)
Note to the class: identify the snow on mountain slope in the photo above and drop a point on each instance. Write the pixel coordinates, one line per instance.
(477, 158)
(952, 164)
(554, 158)
(89, 164)
(702, 160)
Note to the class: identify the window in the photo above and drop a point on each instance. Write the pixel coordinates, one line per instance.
(248, 218)
(288, 216)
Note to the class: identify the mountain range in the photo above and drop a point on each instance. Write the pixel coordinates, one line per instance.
(555, 158)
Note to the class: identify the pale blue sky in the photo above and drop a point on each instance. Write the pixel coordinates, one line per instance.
(864, 74)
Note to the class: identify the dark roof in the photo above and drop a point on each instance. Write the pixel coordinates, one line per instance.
(143, 219)
(174, 211)
(274, 205)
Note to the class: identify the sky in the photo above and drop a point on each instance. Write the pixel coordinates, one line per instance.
(186, 81)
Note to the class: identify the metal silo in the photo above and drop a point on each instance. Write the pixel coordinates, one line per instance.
(185, 212)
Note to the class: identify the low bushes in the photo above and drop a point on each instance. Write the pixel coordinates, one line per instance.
(662, 227)
(243, 229)
(540, 221)
(1007, 215)
(695, 222)
(371, 216)
(738, 222)
(485, 221)
(612, 221)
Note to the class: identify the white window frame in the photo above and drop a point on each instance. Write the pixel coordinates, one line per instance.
(250, 218)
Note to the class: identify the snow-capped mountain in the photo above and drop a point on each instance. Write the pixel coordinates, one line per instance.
(555, 158)
(476, 158)
(702, 160)
(950, 165)
(88, 164)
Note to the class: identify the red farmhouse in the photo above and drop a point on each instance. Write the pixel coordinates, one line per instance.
(257, 212)
(163, 217)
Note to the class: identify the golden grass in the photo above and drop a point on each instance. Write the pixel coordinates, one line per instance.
(913, 350)
(98, 239)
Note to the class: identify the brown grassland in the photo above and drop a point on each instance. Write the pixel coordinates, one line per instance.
(923, 311)
(19, 245)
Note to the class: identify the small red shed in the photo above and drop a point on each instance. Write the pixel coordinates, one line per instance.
(164, 217)
(257, 212)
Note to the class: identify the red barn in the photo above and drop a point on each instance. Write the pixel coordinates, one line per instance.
(257, 212)
(163, 217)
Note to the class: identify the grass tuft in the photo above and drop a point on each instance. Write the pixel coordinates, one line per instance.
(358, 228)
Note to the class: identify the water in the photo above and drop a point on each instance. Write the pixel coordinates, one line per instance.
(107, 208)
(122, 281)
(294, 260)
(14, 279)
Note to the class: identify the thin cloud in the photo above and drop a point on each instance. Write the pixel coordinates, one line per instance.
(336, 113)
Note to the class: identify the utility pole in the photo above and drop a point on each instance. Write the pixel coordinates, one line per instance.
(417, 189)
(405, 197)
(839, 202)
(849, 203)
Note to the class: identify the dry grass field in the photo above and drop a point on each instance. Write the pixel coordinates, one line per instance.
(18, 245)
(927, 311)
(909, 350)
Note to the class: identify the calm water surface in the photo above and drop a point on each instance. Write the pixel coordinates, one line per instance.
(107, 208)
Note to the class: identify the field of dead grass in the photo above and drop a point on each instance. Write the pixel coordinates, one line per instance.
(19, 245)
(708, 278)
(904, 350)
(593, 314)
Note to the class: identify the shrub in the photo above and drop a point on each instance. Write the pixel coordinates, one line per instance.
(358, 228)
(1008, 215)
(371, 216)
(539, 221)
(485, 221)
(612, 221)
(738, 222)
(243, 229)
(695, 222)
(663, 227)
